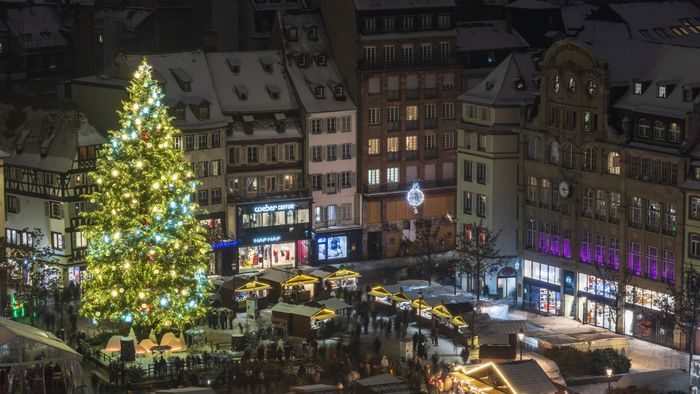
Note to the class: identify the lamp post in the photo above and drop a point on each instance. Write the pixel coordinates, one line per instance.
(521, 336)
(420, 304)
(609, 372)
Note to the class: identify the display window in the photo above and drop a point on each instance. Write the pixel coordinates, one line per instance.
(597, 314)
(331, 248)
(74, 275)
(546, 300)
(265, 256)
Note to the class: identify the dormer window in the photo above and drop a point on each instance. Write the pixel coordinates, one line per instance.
(688, 93)
(369, 25)
(273, 90)
(662, 91)
(312, 32)
(321, 60)
(242, 91)
(234, 64)
(292, 34)
(280, 123)
(179, 112)
(183, 79)
(266, 63)
(638, 88)
(300, 60)
(339, 91)
(519, 84)
(318, 92)
(201, 110)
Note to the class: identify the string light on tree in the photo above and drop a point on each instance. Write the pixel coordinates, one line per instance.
(144, 271)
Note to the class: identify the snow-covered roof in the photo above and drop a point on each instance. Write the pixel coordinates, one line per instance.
(532, 4)
(187, 83)
(130, 17)
(574, 17)
(46, 139)
(653, 64)
(271, 5)
(264, 129)
(249, 82)
(511, 83)
(36, 26)
(487, 35)
(319, 70)
(673, 22)
(371, 5)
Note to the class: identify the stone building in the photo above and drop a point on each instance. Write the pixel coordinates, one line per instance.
(397, 58)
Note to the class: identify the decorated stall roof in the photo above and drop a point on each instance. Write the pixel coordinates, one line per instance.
(379, 291)
(400, 297)
(301, 279)
(253, 286)
(342, 274)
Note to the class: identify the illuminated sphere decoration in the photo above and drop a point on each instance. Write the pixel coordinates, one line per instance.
(415, 196)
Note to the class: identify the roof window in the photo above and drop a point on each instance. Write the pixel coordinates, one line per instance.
(519, 84)
(266, 63)
(248, 123)
(311, 32)
(321, 60)
(273, 90)
(300, 60)
(242, 91)
(280, 122)
(292, 34)
(183, 79)
(234, 64)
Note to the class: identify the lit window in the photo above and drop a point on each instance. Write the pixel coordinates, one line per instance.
(373, 146)
(662, 91)
(373, 177)
(614, 163)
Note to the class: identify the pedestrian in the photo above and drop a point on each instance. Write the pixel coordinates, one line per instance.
(222, 320)
(415, 341)
(388, 328)
(382, 325)
(377, 345)
(231, 316)
(365, 322)
(240, 327)
(385, 364)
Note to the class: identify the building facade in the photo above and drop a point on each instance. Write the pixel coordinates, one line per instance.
(52, 152)
(487, 157)
(329, 120)
(397, 59)
(600, 174)
(268, 206)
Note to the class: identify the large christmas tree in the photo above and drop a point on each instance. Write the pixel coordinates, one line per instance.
(147, 252)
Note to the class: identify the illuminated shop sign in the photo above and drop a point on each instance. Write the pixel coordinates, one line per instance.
(269, 238)
(274, 207)
(225, 244)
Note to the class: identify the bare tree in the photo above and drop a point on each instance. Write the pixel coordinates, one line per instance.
(615, 286)
(680, 310)
(30, 267)
(477, 253)
(428, 244)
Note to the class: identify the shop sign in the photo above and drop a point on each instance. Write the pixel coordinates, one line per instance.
(274, 207)
(267, 239)
(225, 244)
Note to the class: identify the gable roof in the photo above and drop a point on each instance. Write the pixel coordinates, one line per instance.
(522, 377)
(258, 81)
(499, 87)
(487, 35)
(190, 67)
(371, 5)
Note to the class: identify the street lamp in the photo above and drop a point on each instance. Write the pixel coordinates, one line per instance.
(420, 304)
(521, 336)
(609, 372)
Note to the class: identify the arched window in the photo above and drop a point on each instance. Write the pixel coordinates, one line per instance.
(589, 159)
(614, 163)
(569, 153)
(643, 129)
(553, 152)
(659, 130)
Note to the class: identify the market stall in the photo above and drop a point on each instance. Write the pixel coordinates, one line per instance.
(342, 278)
(401, 300)
(302, 320)
(448, 315)
(299, 288)
(29, 355)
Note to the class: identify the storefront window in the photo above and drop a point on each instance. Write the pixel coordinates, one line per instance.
(542, 272)
(330, 248)
(74, 275)
(279, 218)
(648, 298)
(265, 256)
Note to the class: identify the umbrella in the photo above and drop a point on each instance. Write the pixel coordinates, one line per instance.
(420, 304)
(441, 311)
(323, 314)
(253, 286)
(342, 274)
(300, 279)
(400, 297)
(379, 291)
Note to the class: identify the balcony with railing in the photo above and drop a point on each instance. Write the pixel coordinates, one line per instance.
(412, 94)
(405, 186)
(430, 154)
(408, 63)
(430, 92)
(393, 95)
(412, 124)
(430, 123)
(393, 156)
(393, 126)
(412, 155)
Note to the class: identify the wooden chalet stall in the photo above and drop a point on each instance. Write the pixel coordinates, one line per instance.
(289, 285)
(302, 320)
